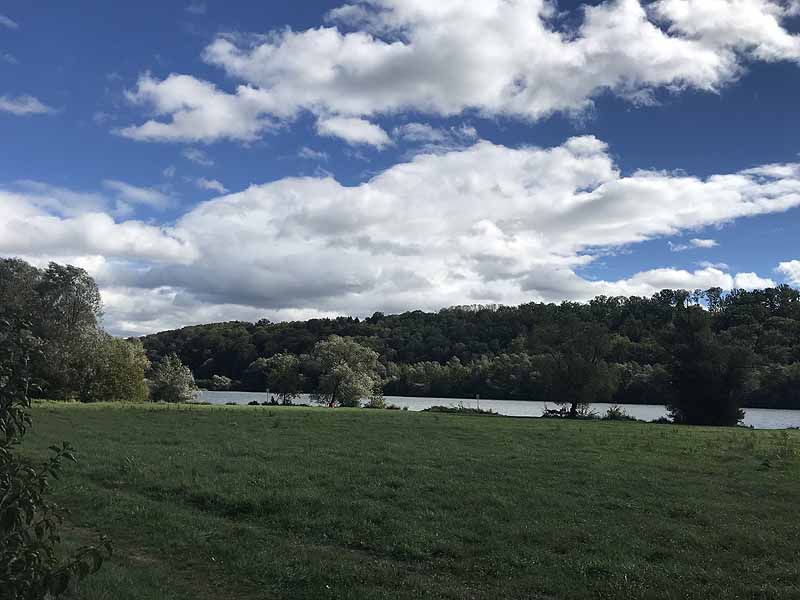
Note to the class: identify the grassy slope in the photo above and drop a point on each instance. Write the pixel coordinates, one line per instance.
(252, 502)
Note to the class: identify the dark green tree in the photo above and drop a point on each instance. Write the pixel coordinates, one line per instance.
(577, 374)
(283, 376)
(708, 372)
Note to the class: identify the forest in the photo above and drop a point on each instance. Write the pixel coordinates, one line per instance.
(625, 350)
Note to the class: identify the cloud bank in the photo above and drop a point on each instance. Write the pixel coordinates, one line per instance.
(480, 224)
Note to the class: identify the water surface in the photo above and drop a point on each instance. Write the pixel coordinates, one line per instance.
(760, 418)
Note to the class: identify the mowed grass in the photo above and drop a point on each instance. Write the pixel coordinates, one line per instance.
(209, 502)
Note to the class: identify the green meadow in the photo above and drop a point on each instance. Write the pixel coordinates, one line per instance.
(215, 502)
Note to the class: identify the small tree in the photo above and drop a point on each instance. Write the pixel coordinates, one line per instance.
(578, 374)
(119, 371)
(172, 381)
(220, 383)
(283, 376)
(349, 372)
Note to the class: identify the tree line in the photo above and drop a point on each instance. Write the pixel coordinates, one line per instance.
(703, 353)
(615, 349)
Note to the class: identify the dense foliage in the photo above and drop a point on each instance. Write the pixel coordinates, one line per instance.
(172, 381)
(348, 372)
(622, 347)
(76, 360)
(31, 563)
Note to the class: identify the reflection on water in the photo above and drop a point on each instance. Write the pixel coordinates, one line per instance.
(760, 418)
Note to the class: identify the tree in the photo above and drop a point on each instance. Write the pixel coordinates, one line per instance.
(578, 374)
(254, 376)
(65, 314)
(120, 371)
(172, 381)
(31, 567)
(708, 372)
(221, 383)
(283, 376)
(349, 372)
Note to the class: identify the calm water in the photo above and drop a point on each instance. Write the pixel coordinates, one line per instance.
(760, 418)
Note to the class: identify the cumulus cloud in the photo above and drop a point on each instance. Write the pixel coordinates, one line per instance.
(210, 184)
(750, 26)
(24, 106)
(791, 271)
(29, 229)
(353, 131)
(751, 281)
(496, 57)
(197, 111)
(480, 224)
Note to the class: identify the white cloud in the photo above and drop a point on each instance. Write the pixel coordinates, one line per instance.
(23, 106)
(419, 132)
(29, 229)
(353, 131)
(197, 111)
(197, 156)
(790, 270)
(751, 281)
(132, 194)
(7, 22)
(210, 184)
(751, 26)
(197, 8)
(713, 265)
(169, 171)
(481, 224)
(9, 58)
(497, 57)
(436, 139)
(311, 154)
(693, 243)
(701, 243)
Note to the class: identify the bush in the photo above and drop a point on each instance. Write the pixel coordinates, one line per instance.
(461, 410)
(617, 413)
(583, 413)
(662, 421)
(172, 381)
(30, 563)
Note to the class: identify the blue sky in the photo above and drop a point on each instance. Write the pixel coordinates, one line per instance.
(398, 154)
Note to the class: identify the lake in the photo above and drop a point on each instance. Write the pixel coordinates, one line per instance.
(760, 418)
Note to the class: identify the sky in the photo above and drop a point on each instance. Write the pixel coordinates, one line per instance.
(211, 161)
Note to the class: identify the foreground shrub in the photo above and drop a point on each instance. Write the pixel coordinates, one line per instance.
(30, 563)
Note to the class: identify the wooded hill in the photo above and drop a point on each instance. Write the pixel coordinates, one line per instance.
(517, 352)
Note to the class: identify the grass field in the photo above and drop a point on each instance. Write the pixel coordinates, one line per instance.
(207, 502)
